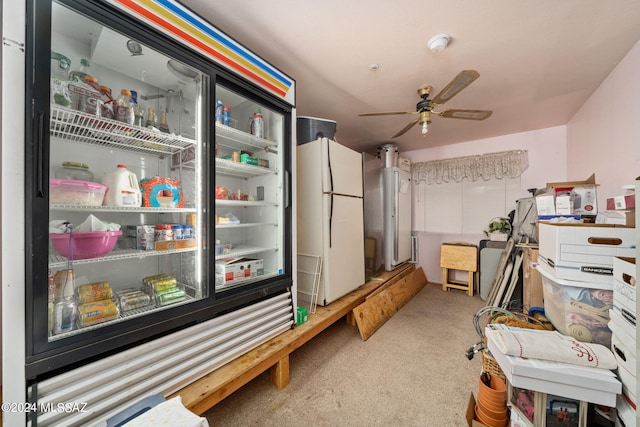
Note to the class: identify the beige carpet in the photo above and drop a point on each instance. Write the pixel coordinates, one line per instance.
(411, 372)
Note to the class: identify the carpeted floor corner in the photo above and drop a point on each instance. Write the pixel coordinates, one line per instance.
(411, 372)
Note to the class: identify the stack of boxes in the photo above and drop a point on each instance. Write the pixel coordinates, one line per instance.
(623, 341)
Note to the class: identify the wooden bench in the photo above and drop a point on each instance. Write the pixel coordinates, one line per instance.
(207, 391)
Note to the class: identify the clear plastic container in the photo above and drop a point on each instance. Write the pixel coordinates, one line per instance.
(74, 170)
(74, 192)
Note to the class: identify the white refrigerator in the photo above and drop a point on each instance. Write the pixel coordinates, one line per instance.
(330, 215)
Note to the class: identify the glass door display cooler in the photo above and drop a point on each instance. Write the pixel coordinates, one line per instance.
(146, 212)
(252, 190)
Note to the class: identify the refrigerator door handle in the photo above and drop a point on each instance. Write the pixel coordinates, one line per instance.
(330, 216)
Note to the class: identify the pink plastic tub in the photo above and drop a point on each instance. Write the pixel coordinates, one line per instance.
(85, 245)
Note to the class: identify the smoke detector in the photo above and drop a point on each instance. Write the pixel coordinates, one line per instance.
(438, 42)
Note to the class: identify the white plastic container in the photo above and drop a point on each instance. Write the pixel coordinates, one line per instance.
(577, 309)
(123, 188)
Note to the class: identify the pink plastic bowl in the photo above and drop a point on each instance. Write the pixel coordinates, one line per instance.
(85, 245)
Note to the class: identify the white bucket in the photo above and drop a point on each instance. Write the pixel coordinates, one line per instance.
(122, 188)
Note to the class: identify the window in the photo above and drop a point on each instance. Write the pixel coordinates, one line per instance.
(461, 196)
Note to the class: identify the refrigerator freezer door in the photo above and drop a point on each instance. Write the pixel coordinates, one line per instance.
(397, 207)
(343, 266)
(342, 171)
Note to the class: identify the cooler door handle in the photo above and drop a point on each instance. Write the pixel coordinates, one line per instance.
(40, 155)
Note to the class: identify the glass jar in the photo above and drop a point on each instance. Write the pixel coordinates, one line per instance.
(74, 170)
(60, 66)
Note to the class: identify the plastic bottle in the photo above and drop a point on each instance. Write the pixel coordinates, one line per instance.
(226, 115)
(257, 125)
(122, 188)
(107, 103)
(89, 102)
(123, 108)
(81, 73)
(219, 108)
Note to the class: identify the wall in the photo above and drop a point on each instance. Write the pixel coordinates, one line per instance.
(547, 162)
(603, 136)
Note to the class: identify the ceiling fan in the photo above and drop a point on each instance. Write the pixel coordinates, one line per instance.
(424, 108)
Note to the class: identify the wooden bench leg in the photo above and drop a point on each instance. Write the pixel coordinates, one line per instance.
(445, 278)
(280, 373)
(470, 290)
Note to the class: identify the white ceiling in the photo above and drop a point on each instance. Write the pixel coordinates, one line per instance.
(539, 61)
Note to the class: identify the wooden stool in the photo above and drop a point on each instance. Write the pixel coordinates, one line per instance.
(459, 256)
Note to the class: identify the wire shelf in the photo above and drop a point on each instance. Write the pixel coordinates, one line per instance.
(77, 126)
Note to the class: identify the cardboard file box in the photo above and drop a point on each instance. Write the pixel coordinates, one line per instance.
(584, 252)
(621, 326)
(624, 283)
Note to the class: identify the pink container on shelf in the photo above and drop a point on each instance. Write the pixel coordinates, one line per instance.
(85, 245)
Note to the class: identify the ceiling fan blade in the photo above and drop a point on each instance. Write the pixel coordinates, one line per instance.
(387, 113)
(465, 114)
(462, 80)
(406, 128)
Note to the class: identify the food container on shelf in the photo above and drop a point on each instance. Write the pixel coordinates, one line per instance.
(74, 170)
(87, 245)
(75, 192)
(223, 247)
(577, 309)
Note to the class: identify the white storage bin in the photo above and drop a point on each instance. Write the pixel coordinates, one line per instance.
(577, 309)
(584, 252)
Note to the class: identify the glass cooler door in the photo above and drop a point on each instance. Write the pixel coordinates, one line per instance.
(127, 186)
(251, 191)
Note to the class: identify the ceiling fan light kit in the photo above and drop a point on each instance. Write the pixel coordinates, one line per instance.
(439, 42)
(425, 106)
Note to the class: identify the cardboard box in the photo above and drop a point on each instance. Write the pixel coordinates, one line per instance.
(471, 413)
(140, 237)
(532, 281)
(584, 252)
(564, 204)
(624, 411)
(624, 283)
(583, 192)
(232, 270)
(546, 204)
(621, 218)
(627, 201)
(168, 245)
(621, 326)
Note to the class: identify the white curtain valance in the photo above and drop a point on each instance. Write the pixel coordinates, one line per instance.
(508, 164)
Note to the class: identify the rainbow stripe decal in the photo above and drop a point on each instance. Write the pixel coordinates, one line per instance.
(191, 30)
